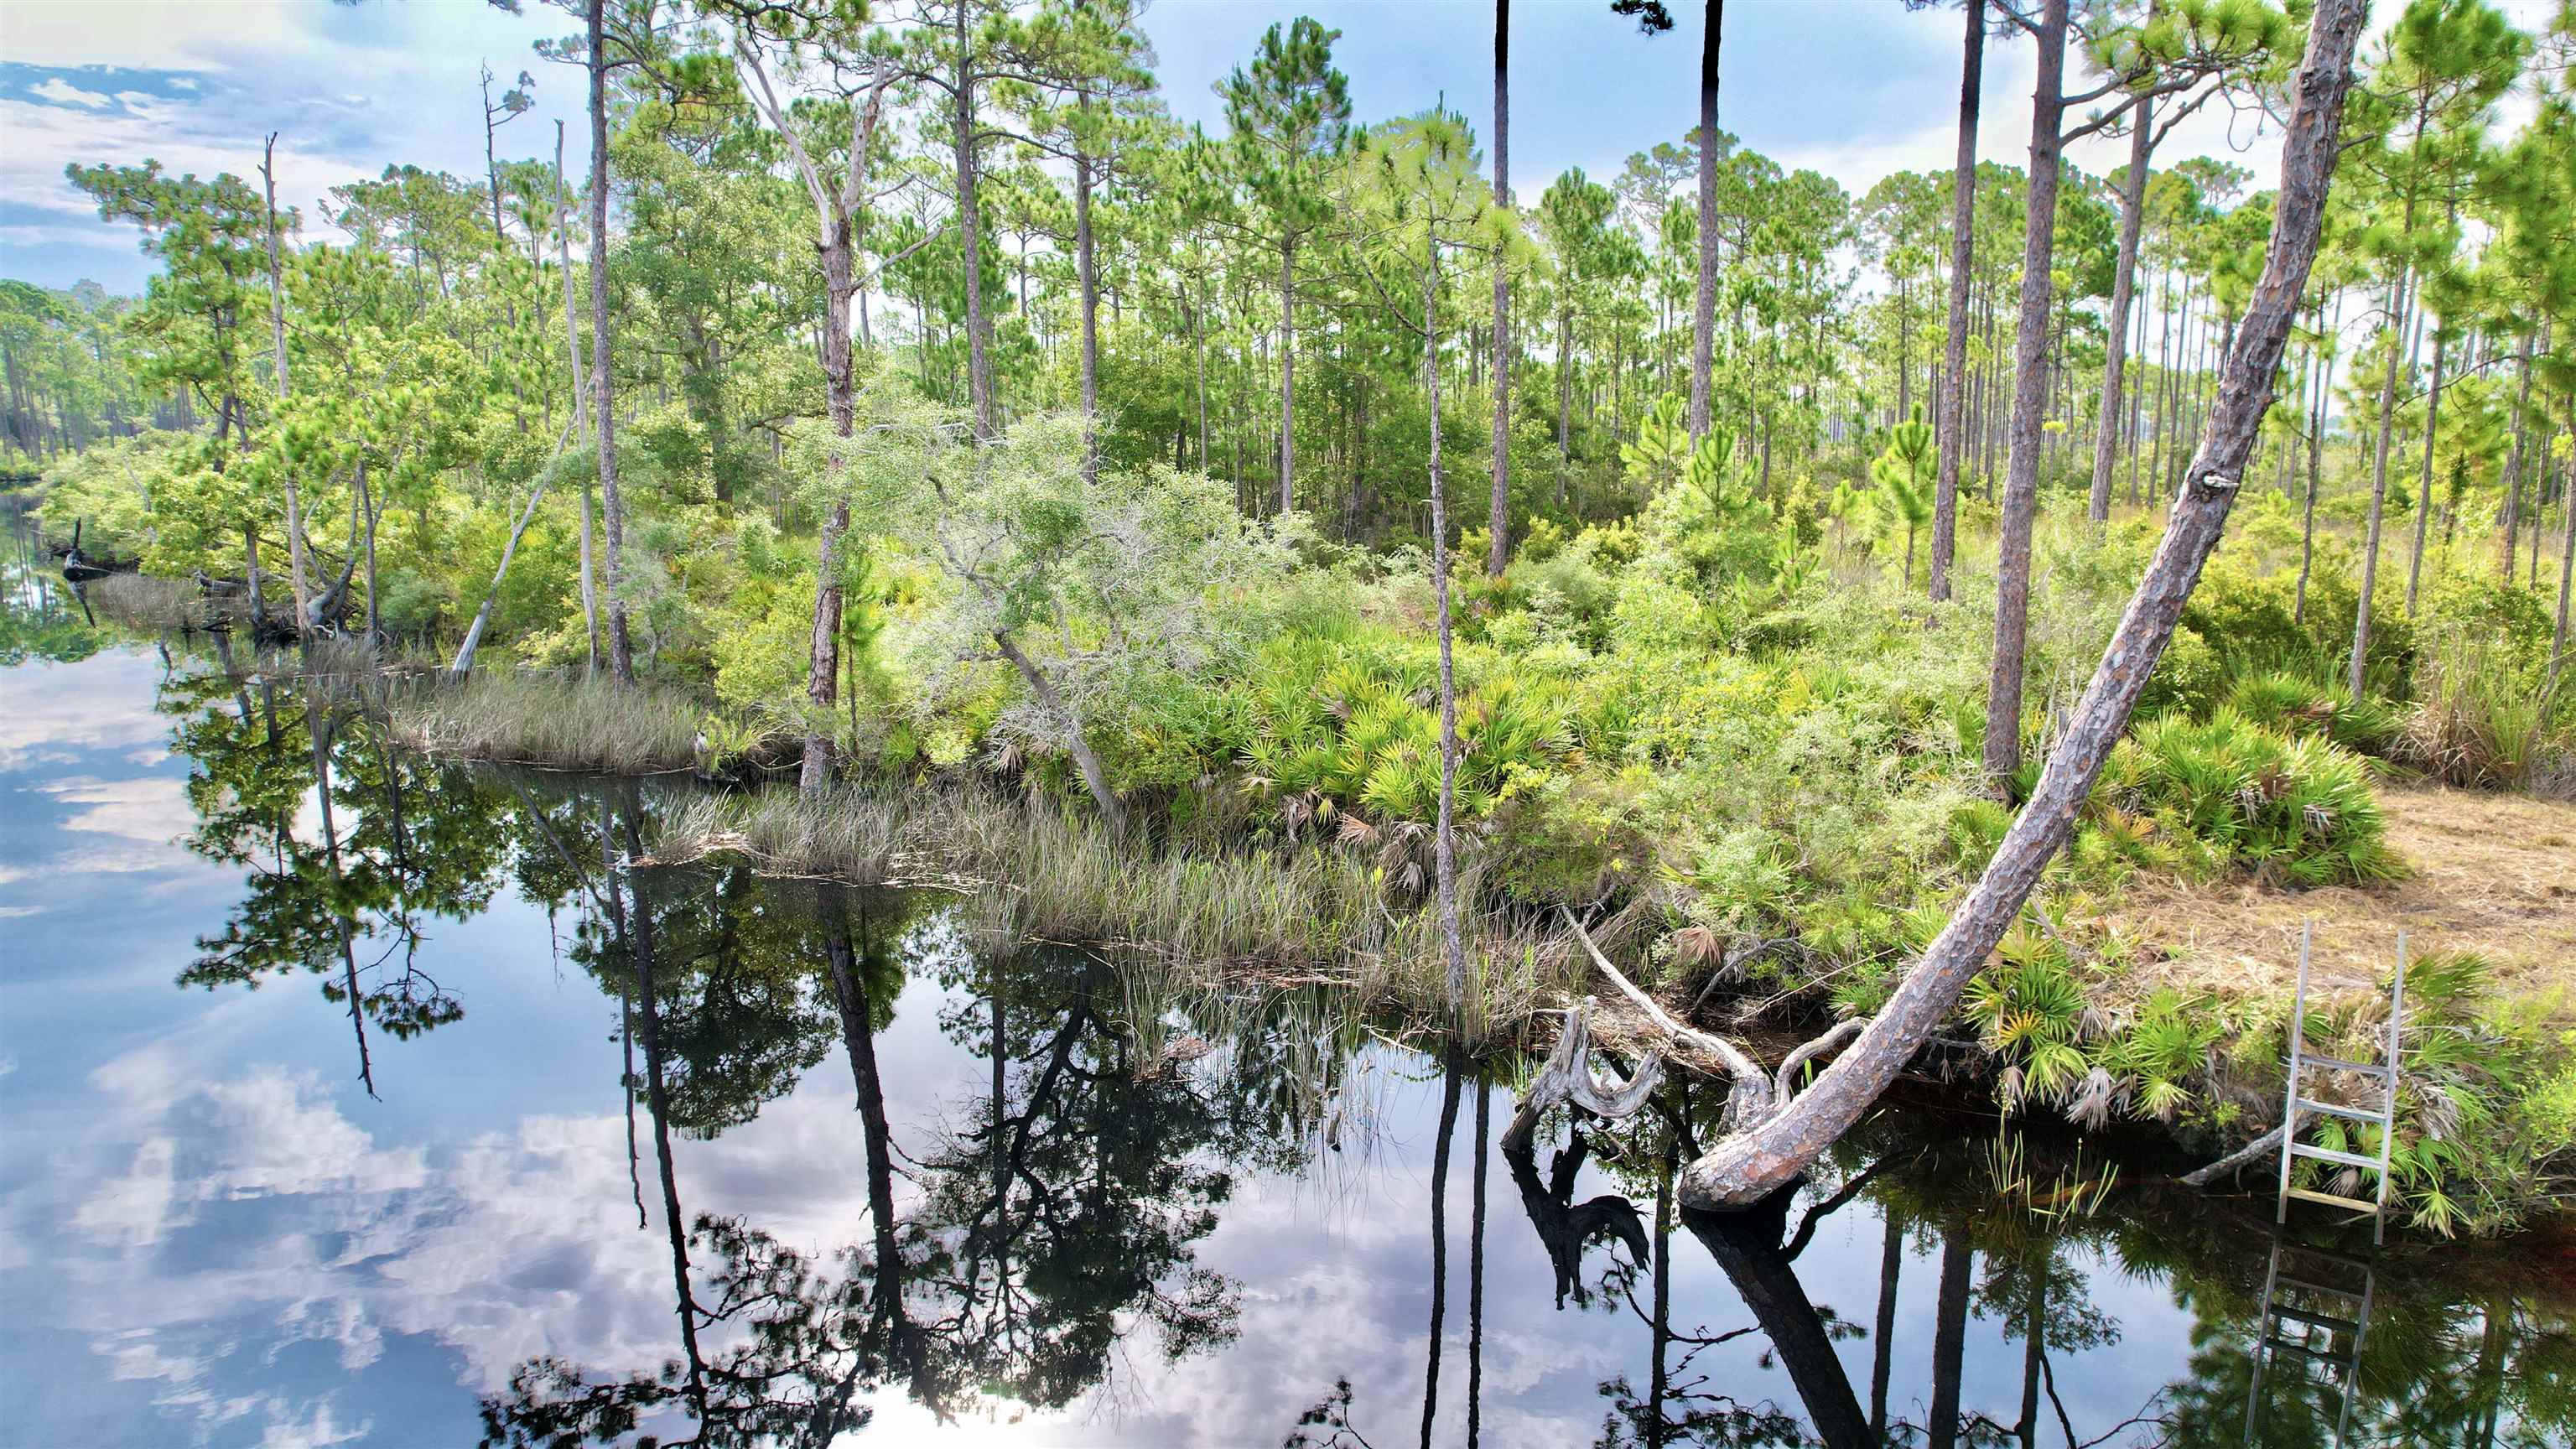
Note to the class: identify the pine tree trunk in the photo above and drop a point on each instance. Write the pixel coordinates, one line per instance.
(1752, 1163)
(823, 645)
(2124, 274)
(2030, 404)
(1954, 357)
(1087, 273)
(1288, 377)
(1498, 514)
(621, 650)
(970, 240)
(2397, 305)
(1704, 310)
(2513, 468)
(295, 574)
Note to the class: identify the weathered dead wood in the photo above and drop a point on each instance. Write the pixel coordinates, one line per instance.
(1568, 1076)
(1755, 1094)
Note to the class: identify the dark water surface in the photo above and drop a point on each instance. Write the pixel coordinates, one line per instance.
(1119, 1215)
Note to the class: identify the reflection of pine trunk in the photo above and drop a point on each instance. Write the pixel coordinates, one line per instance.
(858, 1038)
(1658, 1382)
(1439, 1238)
(1891, 1266)
(1747, 1246)
(1476, 1266)
(657, 1101)
(2034, 1342)
(1949, 1336)
(320, 723)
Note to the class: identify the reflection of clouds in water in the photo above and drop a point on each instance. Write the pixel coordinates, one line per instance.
(55, 711)
(150, 811)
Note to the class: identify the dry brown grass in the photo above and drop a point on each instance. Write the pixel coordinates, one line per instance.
(2490, 873)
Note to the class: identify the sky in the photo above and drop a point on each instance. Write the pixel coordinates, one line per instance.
(1855, 89)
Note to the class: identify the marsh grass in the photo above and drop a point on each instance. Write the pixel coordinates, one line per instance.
(146, 604)
(1249, 919)
(553, 721)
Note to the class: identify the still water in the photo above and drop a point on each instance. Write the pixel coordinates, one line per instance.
(608, 1153)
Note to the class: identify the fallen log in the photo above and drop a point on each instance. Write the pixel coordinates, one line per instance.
(2203, 1177)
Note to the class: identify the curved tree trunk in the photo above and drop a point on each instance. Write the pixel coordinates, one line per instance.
(1954, 348)
(1749, 1164)
(1095, 779)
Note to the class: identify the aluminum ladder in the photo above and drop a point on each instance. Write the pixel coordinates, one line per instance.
(2297, 1101)
(2317, 1329)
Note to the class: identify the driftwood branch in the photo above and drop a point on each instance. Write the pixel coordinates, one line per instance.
(1738, 1062)
(1568, 1076)
(2203, 1177)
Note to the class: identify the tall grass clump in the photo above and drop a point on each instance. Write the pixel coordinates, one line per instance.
(2477, 720)
(553, 721)
(146, 604)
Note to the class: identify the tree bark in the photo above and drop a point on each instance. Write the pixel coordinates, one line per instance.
(2424, 482)
(2397, 306)
(580, 395)
(1087, 273)
(1288, 377)
(2030, 402)
(621, 649)
(1093, 777)
(2133, 195)
(1704, 310)
(1444, 849)
(277, 326)
(1498, 516)
(1954, 352)
(2521, 430)
(970, 241)
(1749, 1164)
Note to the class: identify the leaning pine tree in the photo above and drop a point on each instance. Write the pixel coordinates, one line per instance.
(1774, 1135)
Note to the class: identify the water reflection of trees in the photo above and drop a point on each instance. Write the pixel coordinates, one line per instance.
(1014, 1256)
(2439, 1365)
(1044, 1230)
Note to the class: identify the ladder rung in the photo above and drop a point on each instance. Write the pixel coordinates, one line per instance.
(2345, 1260)
(2328, 1154)
(2330, 1360)
(2321, 1320)
(2358, 1114)
(2286, 1281)
(2338, 1064)
(2358, 1205)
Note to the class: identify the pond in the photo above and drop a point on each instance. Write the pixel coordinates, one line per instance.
(357, 1099)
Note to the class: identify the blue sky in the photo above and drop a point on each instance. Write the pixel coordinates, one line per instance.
(1853, 88)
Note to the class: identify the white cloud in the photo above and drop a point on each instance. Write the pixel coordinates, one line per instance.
(60, 90)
